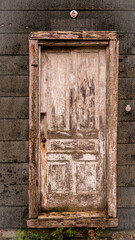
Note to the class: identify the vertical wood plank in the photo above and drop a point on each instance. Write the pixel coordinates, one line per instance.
(33, 129)
(87, 75)
(101, 108)
(42, 169)
(112, 127)
(73, 95)
(56, 78)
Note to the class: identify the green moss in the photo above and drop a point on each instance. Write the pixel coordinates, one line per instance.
(58, 234)
(28, 235)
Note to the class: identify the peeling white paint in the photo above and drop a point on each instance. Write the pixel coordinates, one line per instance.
(73, 94)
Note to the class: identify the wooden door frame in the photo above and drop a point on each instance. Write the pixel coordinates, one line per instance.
(37, 40)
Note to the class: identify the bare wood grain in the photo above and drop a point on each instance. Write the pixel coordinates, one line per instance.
(112, 127)
(77, 222)
(73, 43)
(71, 215)
(73, 134)
(85, 35)
(33, 130)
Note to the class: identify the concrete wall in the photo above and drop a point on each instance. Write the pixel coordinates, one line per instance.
(17, 19)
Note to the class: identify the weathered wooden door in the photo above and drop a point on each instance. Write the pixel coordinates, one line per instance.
(73, 128)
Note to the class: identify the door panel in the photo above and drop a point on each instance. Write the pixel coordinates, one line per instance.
(73, 144)
(73, 120)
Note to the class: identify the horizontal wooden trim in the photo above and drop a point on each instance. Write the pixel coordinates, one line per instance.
(84, 35)
(75, 222)
(73, 43)
(71, 215)
(72, 134)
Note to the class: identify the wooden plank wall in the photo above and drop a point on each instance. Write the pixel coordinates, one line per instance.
(17, 19)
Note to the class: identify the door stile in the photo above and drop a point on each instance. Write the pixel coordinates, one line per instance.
(42, 132)
(102, 123)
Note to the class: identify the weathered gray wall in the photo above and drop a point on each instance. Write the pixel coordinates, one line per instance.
(17, 19)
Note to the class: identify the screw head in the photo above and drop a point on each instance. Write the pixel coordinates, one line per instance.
(73, 13)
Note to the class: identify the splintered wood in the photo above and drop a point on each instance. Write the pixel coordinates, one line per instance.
(73, 120)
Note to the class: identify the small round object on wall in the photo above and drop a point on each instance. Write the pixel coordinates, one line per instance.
(73, 14)
(128, 108)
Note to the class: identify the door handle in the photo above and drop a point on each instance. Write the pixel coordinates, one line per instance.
(44, 140)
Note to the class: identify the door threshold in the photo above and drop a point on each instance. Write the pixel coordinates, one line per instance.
(88, 219)
(71, 215)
